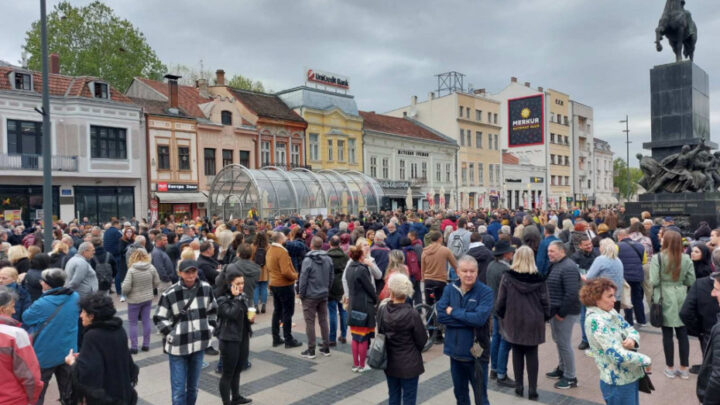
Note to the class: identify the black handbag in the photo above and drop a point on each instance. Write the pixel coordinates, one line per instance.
(645, 385)
(656, 311)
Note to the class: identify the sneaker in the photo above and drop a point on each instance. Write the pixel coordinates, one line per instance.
(218, 370)
(122, 298)
(211, 351)
(555, 374)
(640, 325)
(533, 395)
(309, 353)
(355, 369)
(684, 374)
(262, 309)
(583, 345)
(325, 351)
(342, 340)
(695, 369)
(493, 375)
(566, 383)
(205, 365)
(332, 344)
(241, 400)
(133, 351)
(246, 366)
(506, 382)
(145, 348)
(669, 373)
(277, 343)
(364, 369)
(292, 344)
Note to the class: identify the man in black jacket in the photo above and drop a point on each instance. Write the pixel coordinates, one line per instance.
(708, 385)
(563, 285)
(339, 259)
(208, 267)
(481, 254)
(584, 257)
(699, 312)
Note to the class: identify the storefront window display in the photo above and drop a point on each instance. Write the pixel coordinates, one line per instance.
(100, 204)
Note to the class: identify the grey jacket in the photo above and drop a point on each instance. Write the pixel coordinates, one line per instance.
(163, 265)
(250, 271)
(81, 277)
(317, 273)
(139, 282)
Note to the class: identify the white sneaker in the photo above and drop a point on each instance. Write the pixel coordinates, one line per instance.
(355, 369)
(684, 374)
(669, 373)
(122, 298)
(364, 369)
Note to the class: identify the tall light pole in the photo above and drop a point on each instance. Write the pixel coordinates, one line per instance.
(626, 121)
(46, 144)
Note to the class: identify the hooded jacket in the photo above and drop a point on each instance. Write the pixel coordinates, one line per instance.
(523, 306)
(250, 271)
(20, 381)
(316, 277)
(483, 257)
(434, 262)
(60, 335)
(468, 318)
(207, 269)
(405, 337)
(339, 259)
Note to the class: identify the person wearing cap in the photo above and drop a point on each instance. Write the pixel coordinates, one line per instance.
(53, 340)
(708, 383)
(185, 316)
(499, 348)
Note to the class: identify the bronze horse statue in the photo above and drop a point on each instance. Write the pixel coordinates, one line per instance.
(677, 25)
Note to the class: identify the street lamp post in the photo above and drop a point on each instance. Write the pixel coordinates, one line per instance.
(626, 121)
(46, 144)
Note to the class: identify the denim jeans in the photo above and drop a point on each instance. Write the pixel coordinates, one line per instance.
(333, 308)
(402, 390)
(184, 377)
(583, 312)
(464, 373)
(121, 272)
(499, 350)
(627, 394)
(260, 293)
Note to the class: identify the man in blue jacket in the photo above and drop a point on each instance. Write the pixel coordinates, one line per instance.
(464, 309)
(541, 261)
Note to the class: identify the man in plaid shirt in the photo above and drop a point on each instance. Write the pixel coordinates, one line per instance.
(185, 316)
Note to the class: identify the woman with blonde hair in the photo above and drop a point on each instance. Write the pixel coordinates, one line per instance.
(608, 265)
(224, 239)
(140, 280)
(396, 264)
(19, 258)
(523, 306)
(59, 254)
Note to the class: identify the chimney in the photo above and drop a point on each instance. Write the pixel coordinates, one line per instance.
(527, 84)
(540, 89)
(479, 91)
(173, 90)
(513, 79)
(413, 100)
(220, 77)
(202, 86)
(54, 63)
(431, 95)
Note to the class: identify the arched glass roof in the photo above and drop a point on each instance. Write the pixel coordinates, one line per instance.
(273, 191)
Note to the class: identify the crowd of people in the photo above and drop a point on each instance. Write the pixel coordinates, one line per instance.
(495, 278)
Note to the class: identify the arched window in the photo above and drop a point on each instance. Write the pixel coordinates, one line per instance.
(226, 117)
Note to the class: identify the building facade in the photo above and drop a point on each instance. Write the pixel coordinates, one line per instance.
(472, 120)
(582, 130)
(604, 186)
(98, 161)
(523, 183)
(409, 160)
(334, 133)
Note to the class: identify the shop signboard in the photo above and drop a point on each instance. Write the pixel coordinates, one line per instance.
(11, 215)
(164, 187)
(525, 121)
(181, 208)
(327, 79)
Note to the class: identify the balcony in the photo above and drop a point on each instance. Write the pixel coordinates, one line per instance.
(418, 181)
(35, 162)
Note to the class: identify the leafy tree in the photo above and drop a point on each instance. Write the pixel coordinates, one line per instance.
(190, 75)
(93, 41)
(620, 179)
(245, 83)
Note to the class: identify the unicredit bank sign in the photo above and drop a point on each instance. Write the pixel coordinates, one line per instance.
(327, 79)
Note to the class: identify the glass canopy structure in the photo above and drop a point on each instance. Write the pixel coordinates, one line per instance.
(274, 191)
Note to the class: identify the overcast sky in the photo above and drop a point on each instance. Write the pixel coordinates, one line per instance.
(599, 52)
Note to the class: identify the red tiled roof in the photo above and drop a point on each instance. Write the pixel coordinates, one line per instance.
(60, 85)
(188, 96)
(399, 126)
(510, 159)
(266, 105)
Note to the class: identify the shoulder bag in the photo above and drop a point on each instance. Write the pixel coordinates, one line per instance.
(377, 354)
(182, 314)
(37, 331)
(656, 315)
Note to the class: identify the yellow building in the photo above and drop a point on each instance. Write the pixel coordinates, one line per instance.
(334, 132)
(559, 148)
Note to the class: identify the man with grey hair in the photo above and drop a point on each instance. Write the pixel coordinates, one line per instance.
(316, 279)
(81, 277)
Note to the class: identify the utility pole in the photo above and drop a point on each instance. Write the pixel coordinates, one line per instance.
(46, 144)
(626, 121)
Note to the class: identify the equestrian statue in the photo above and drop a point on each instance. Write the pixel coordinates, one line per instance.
(677, 25)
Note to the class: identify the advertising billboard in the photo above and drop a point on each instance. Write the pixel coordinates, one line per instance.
(525, 121)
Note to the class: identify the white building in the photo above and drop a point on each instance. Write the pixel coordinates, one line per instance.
(604, 189)
(98, 148)
(582, 130)
(523, 183)
(401, 153)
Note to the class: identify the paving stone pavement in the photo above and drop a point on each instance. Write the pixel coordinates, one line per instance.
(280, 376)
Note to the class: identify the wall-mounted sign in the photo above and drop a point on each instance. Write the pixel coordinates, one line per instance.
(11, 215)
(164, 187)
(66, 192)
(327, 79)
(536, 180)
(525, 121)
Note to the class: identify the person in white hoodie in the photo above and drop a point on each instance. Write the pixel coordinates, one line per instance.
(140, 280)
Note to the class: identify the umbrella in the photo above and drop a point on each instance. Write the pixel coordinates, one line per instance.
(408, 199)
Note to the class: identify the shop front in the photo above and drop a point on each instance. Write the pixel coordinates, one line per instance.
(100, 204)
(180, 200)
(25, 203)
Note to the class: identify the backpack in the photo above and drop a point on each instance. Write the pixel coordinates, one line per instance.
(457, 246)
(411, 260)
(259, 258)
(104, 274)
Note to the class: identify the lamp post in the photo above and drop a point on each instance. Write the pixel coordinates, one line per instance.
(626, 121)
(46, 144)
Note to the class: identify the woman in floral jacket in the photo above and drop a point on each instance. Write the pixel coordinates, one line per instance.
(612, 344)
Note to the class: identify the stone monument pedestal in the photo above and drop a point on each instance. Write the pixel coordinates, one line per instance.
(688, 209)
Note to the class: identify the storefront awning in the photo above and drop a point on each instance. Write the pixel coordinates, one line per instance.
(396, 193)
(181, 198)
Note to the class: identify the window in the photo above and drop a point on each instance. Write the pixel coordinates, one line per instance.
(226, 117)
(567, 161)
(402, 169)
(295, 154)
(280, 153)
(329, 150)
(552, 159)
(567, 180)
(183, 158)
(497, 174)
(489, 117)
(481, 175)
(108, 143)
(351, 151)
(589, 185)
(467, 112)
(462, 137)
(423, 170)
(314, 147)
(163, 152)
(461, 112)
(373, 167)
(478, 140)
(341, 150)
(265, 153)
(23, 81)
(490, 141)
(494, 118)
(447, 172)
(245, 158)
(491, 173)
(469, 138)
(552, 180)
(559, 119)
(385, 168)
(227, 157)
(552, 138)
(478, 115)
(209, 162)
(100, 90)
(567, 141)
(438, 173)
(24, 137)
(471, 170)
(496, 141)
(413, 170)
(100, 204)
(463, 170)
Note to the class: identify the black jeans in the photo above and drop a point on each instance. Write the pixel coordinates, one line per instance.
(636, 296)
(669, 346)
(284, 308)
(63, 377)
(234, 355)
(520, 354)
